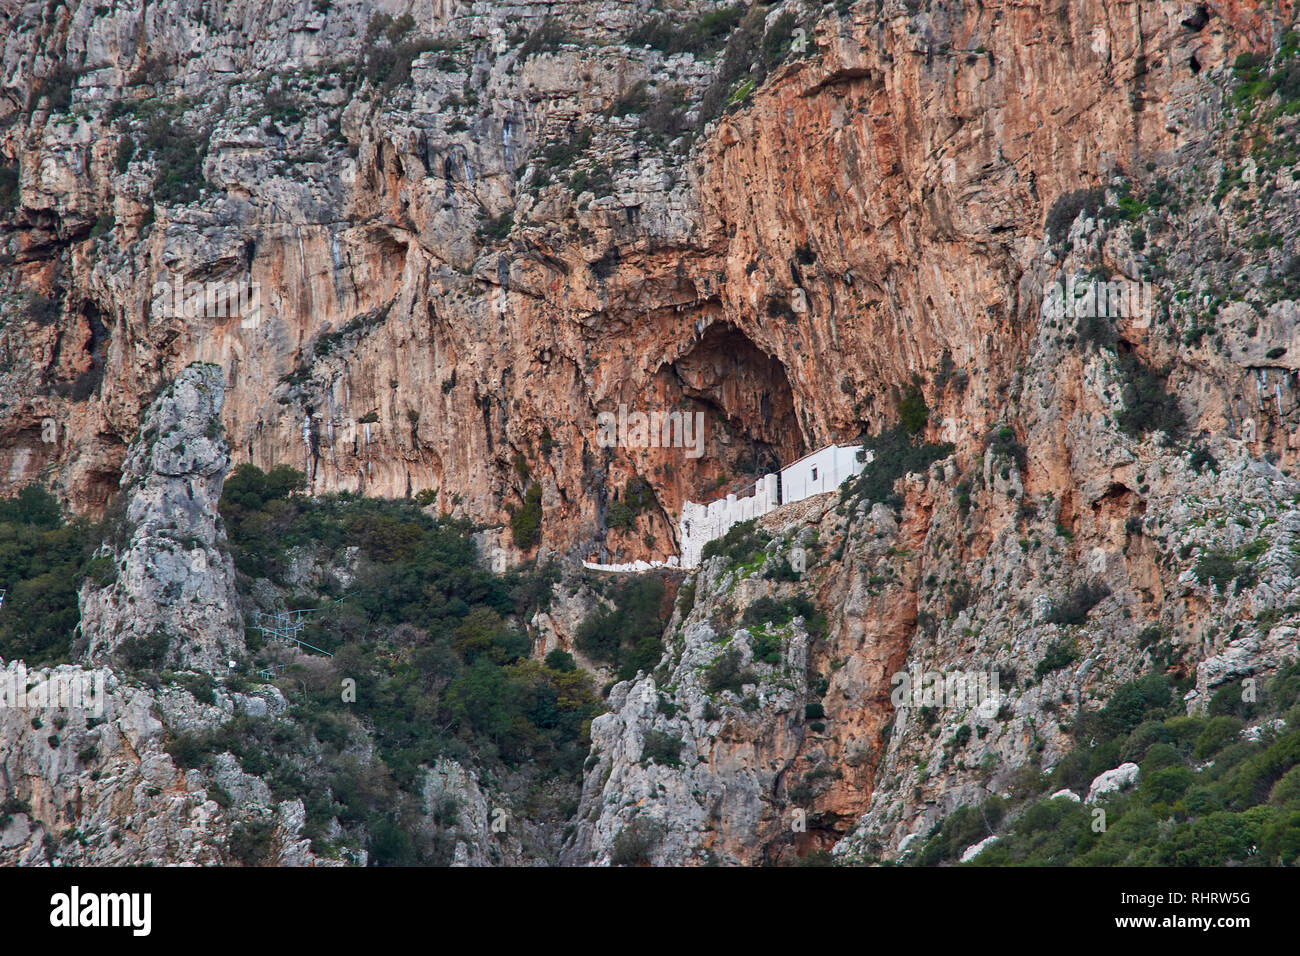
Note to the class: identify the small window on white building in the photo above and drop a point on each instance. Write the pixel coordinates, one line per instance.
(814, 477)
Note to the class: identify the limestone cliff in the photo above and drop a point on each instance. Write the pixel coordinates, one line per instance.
(172, 595)
(472, 229)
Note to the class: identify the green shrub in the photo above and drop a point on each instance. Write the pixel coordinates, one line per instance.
(727, 673)
(145, 652)
(1216, 567)
(897, 452)
(562, 661)
(1060, 653)
(960, 829)
(526, 523)
(739, 545)
(497, 228)
(767, 611)
(1074, 609)
(1148, 406)
(251, 842)
(661, 748)
(635, 842)
(1066, 208)
(188, 751)
(630, 635)
(1217, 733)
(912, 411)
(637, 498)
(1227, 700)
(702, 35)
(9, 190)
(545, 39)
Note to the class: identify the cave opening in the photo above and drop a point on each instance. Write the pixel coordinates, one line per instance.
(748, 403)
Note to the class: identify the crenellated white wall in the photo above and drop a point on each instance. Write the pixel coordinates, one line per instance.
(700, 524)
(814, 474)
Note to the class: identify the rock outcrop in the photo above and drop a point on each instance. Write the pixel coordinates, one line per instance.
(172, 599)
(93, 784)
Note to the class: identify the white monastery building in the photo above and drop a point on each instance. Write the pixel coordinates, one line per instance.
(814, 474)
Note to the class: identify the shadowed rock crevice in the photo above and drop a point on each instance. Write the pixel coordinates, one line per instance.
(748, 393)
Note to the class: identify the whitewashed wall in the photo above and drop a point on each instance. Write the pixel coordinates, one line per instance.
(700, 524)
(819, 472)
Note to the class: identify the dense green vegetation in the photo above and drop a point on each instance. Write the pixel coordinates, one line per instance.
(637, 498)
(1257, 79)
(8, 187)
(1206, 794)
(702, 35)
(43, 560)
(390, 49)
(628, 636)
(769, 611)
(428, 637)
(526, 522)
(739, 545)
(753, 50)
(155, 129)
(898, 451)
(1148, 405)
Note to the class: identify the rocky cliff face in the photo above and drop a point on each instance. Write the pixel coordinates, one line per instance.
(173, 595)
(440, 294)
(471, 231)
(93, 784)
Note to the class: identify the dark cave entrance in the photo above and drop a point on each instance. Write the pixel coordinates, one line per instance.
(748, 405)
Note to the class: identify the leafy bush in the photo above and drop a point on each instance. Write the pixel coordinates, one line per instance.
(562, 661)
(1216, 567)
(629, 636)
(897, 452)
(1003, 442)
(9, 190)
(526, 523)
(912, 411)
(1218, 733)
(1066, 209)
(433, 643)
(546, 38)
(768, 611)
(1078, 603)
(145, 653)
(1148, 406)
(1205, 797)
(962, 828)
(43, 561)
(739, 545)
(635, 842)
(497, 228)
(250, 843)
(703, 35)
(637, 498)
(1060, 653)
(728, 673)
(752, 51)
(661, 748)
(177, 150)
(390, 51)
